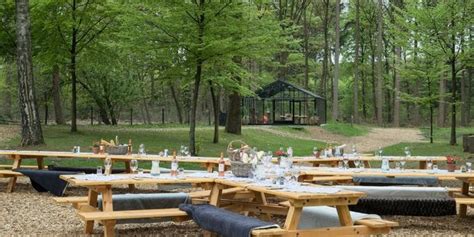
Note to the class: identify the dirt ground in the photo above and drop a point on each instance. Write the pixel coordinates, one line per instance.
(27, 212)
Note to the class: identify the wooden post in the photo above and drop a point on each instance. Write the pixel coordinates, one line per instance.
(131, 116)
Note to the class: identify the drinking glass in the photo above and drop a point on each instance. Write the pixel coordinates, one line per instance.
(469, 166)
(435, 167)
(141, 149)
(380, 152)
(397, 165)
(354, 150)
(181, 173)
(340, 165)
(315, 151)
(133, 165)
(345, 159)
(361, 165)
(402, 163)
(108, 166)
(429, 165)
(357, 162)
(99, 170)
(407, 152)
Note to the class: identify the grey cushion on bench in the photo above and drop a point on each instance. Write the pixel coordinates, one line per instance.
(123, 202)
(386, 181)
(323, 216)
(223, 222)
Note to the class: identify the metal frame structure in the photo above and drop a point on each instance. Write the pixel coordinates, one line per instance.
(281, 102)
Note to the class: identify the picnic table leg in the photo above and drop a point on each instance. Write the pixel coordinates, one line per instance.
(40, 162)
(293, 217)
(366, 164)
(422, 164)
(92, 201)
(12, 183)
(107, 205)
(464, 191)
(260, 198)
(128, 170)
(344, 215)
(215, 196)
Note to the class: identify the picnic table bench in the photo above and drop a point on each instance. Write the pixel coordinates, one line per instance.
(463, 197)
(217, 197)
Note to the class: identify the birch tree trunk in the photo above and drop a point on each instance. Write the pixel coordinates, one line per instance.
(379, 65)
(335, 85)
(7, 97)
(31, 133)
(442, 103)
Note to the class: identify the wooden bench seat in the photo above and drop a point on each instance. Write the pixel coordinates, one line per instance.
(9, 174)
(23, 166)
(465, 201)
(132, 214)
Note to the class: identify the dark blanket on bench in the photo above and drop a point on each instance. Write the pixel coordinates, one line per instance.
(223, 222)
(46, 180)
(386, 181)
(142, 201)
(87, 170)
(406, 206)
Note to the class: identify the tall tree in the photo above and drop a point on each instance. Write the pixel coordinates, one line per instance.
(31, 133)
(355, 98)
(58, 108)
(379, 64)
(335, 85)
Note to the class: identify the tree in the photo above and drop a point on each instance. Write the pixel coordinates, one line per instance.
(355, 104)
(335, 86)
(31, 133)
(379, 65)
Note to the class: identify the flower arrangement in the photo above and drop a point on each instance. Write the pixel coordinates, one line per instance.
(281, 153)
(451, 163)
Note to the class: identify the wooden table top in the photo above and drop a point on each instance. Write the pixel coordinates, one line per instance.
(126, 179)
(324, 171)
(369, 158)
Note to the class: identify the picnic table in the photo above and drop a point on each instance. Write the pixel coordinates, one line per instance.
(18, 155)
(295, 201)
(366, 159)
(464, 198)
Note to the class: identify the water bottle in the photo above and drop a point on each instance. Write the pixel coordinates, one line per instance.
(385, 164)
(155, 168)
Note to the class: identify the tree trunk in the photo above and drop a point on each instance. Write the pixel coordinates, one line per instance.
(442, 103)
(179, 108)
(379, 50)
(7, 99)
(147, 111)
(464, 100)
(72, 69)
(452, 140)
(234, 121)
(374, 92)
(396, 87)
(31, 132)
(335, 85)
(58, 108)
(355, 92)
(325, 74)
(216, 110)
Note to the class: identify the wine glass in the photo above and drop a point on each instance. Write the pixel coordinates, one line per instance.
(402, 163)
(354, 150)
(380, 152)
(345, 159)
(141, 149)
(133, 165)
(357, 162)
(108, 166)
(407, 152)
(315, 151)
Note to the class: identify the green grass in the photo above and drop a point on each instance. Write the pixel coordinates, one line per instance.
(346, 129)
(59, 138)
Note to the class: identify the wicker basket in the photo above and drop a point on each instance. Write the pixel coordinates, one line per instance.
(240, 169)
(117, 150)
(234, 153)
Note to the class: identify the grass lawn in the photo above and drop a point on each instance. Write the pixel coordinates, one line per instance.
(346, 129)
(156, 139)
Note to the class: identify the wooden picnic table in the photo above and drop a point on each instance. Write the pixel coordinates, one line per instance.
(295, 200)
(467, 179)
(333, 161)
(18, 155)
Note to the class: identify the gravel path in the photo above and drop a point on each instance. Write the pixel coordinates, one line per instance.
(26, 212)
